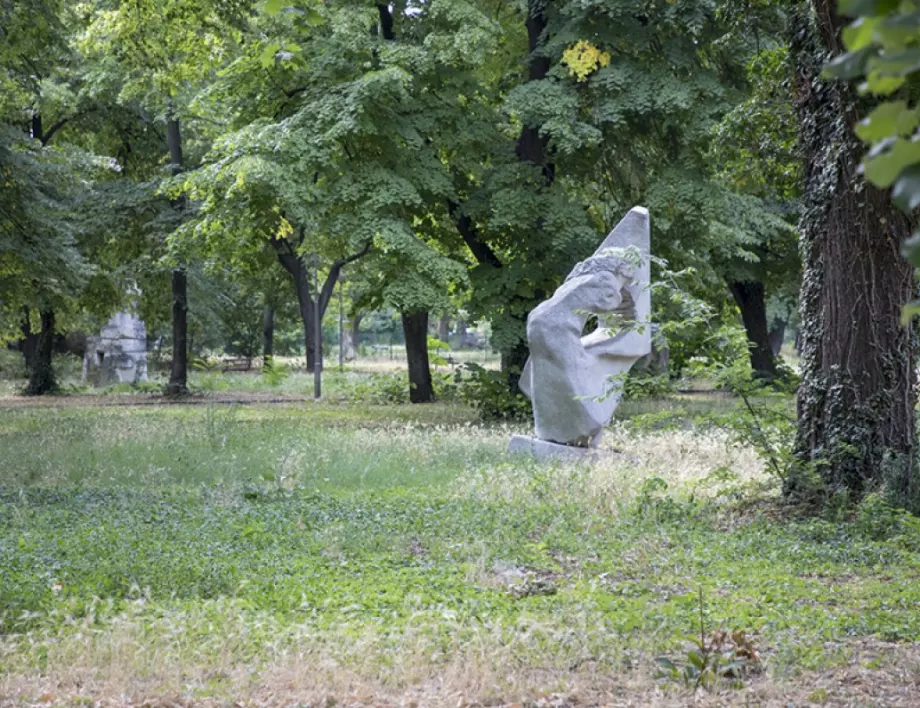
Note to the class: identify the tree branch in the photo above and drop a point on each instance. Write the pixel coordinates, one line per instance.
(481, 251)
(46, 138)
(354, 256)
(333, 277)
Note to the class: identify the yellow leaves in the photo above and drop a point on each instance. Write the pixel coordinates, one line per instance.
(284, 229)
(583, 59)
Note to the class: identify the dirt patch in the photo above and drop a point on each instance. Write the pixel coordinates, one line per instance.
(877, 674)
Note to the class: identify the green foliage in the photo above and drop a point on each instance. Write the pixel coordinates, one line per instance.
(274, 372)
(435, 349)
(487, 392)
(640, 385)
(390, 389)
(698, 335)
(379, 389)
(12, 364)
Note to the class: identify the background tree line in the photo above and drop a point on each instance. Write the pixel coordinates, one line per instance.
(459, 152)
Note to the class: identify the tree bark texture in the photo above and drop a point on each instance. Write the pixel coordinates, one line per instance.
(415, 329)
(856, 401)
(41, 379)
(268, 335)
(749, 296)
(178, 375)
(298, 271)
(531, 146)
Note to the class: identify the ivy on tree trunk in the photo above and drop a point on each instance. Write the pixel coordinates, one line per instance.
(856, 401)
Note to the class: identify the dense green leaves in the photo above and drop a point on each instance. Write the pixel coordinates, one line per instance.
(472, 155)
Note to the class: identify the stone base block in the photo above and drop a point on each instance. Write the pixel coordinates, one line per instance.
(545, 450)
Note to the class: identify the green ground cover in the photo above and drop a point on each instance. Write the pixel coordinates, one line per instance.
(210, 551)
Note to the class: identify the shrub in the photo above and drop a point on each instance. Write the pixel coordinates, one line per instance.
(487, 392)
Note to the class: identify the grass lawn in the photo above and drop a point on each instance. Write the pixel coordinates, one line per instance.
(342, 554)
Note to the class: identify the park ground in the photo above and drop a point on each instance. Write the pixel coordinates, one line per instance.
(247, 552)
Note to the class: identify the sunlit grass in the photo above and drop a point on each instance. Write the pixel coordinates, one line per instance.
(379, 554)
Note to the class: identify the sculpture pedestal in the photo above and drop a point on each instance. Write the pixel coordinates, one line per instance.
(545, 450)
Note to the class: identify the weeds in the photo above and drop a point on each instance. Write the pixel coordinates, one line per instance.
(717, 658)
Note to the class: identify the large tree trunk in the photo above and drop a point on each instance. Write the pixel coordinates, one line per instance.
(42, 380)
(749, 296)
(268, 335)
(415, 329)
(178, 375)
(856, 402)
(513, 360)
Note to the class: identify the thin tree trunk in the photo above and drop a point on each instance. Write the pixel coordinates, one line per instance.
(444, 329)
(749, 296)
(178, 376)
(268, 335)
(856, 401)
(386, 21)
(294, 265)
(415, 329)
(350, 338)
(42, 380)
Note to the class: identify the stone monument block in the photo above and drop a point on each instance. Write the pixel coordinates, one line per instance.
(119, 353)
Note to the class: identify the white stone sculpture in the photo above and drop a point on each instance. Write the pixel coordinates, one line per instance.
(119, 353)
(574, 381)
